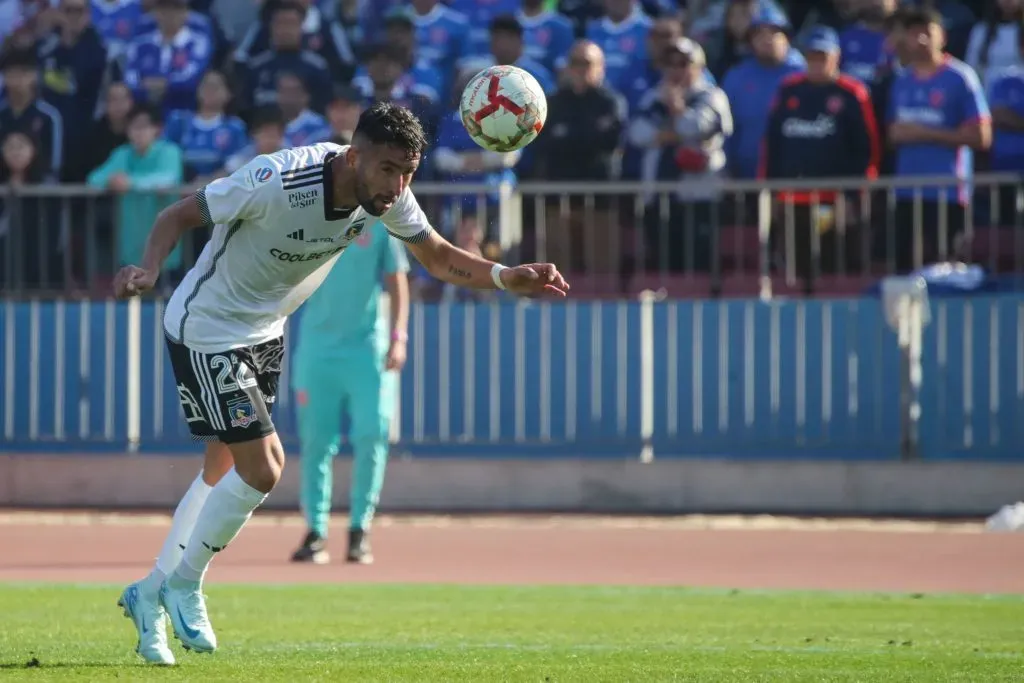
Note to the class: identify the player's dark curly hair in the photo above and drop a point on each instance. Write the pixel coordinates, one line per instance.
(386, 123)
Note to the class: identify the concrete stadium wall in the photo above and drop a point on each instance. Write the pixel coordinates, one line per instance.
(594, 486)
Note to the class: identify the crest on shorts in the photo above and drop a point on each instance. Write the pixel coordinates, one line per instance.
(241, 412)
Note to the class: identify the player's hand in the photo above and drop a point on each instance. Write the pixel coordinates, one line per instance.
(535, 279)
(131, 281)
(395, 360)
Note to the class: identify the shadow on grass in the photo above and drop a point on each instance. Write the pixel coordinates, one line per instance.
(35, 663)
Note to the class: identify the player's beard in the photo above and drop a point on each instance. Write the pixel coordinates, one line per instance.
(368, 202)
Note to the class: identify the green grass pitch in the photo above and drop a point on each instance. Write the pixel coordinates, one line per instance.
(548, 634)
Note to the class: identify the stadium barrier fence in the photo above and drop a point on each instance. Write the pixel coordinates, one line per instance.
(726, 238)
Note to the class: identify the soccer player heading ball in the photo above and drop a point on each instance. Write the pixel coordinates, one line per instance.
(279, 224)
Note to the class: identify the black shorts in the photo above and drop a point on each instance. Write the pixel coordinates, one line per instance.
(229, 396)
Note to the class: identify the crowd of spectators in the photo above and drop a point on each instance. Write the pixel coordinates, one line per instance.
(139, 96)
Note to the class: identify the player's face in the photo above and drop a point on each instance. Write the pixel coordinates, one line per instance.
(18, 152)
(382, 174)
(213, 92)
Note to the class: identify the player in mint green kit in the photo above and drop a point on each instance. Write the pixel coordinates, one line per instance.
(347, 360)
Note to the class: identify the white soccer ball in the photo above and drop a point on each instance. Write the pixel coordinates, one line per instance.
(503, 108)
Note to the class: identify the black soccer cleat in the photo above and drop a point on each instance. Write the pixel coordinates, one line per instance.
(359, 547)
(313, 549)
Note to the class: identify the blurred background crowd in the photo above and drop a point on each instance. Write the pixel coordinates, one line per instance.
(139, 97)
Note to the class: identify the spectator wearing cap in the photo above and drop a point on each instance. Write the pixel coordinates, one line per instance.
(863, 46)
(937, 118)
(584, 130)
(343, 114)
(645, 75)
(302, 126)
(266, 136)
(286, 54)
(821, 125)
(326, 39)
(442, 38)
(751, 86)
(683, 125)
(547, 35)
(480, 16)
(622, 36)
(506, 47)
(418, 76)
(164, 67)
(24, 110)
(74, 62)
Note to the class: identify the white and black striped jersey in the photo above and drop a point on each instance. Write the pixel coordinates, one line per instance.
(276, 235)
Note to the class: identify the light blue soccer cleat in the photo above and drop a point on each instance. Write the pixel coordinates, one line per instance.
(186, 607)
(148, 616)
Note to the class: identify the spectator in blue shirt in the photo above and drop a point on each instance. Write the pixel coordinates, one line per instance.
(164, 67)
(507, 49)
(751, 88)
(286, 54)
(200, 23)
(303, 127)
(622, 36)
(937, 116)
(442, 37)
(422, 78)
(1006, 99)
(863, 45)
(209, 136)
(480, 14)
(548, 35)
(115, 20)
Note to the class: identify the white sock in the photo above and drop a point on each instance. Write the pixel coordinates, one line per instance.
(184, 521)
(228, 507)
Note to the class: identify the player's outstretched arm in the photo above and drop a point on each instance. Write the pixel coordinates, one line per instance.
(447, 262)
(168, 228)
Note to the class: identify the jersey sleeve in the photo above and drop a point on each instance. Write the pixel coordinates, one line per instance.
(246, 194)
(406, 220)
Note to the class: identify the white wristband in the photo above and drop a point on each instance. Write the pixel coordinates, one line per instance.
(496, 275)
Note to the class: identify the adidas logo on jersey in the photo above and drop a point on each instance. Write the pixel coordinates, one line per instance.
(297, 235)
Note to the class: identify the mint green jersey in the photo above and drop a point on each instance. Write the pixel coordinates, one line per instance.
(344, 311)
